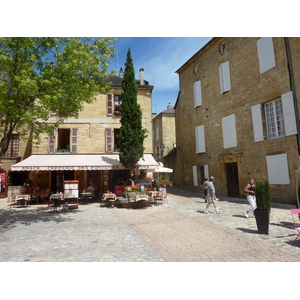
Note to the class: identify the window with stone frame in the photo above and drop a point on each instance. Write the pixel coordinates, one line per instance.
(113, 104)
(274, 119)
(13, 147)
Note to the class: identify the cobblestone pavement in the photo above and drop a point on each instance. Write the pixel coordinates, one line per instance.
(176, 231)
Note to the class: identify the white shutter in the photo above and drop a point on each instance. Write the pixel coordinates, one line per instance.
(266, 56)
(206, 174)
(195, 176)
(74, 134)
(289, 113)
(229, 131)
(51, 142)
(277, 166)
(200, 139)
(257, 123)
(109, 141)
(224, 77)
(197, 93)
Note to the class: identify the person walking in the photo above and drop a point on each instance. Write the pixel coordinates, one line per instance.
(250, 193)
(211, 196)
(205, 189)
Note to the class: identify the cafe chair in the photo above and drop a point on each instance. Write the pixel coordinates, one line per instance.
(296, 220)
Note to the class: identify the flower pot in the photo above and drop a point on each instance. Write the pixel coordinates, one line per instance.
(262, 221)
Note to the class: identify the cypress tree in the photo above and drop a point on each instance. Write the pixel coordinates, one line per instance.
(132, 134)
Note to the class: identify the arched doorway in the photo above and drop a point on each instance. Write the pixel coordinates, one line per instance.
(3, 183)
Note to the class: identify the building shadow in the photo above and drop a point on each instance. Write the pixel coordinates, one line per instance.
(26, 216)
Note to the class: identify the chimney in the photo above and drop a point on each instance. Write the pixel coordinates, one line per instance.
(141, 76)
(121, 73)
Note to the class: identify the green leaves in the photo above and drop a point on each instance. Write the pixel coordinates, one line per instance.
(39, 75)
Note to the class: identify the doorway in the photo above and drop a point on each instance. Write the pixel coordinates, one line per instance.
(232, 180)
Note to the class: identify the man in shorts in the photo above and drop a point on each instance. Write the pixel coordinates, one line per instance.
(211, 196)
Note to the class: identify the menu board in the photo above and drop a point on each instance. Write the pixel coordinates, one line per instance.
(71, 189)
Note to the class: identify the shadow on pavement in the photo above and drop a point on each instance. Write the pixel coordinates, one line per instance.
(247, 230)
(27, 216)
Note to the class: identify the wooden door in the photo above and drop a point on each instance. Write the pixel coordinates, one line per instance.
(232, 180)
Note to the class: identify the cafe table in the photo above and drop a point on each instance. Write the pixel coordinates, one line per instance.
(85, 196)
(110, 197)
(22, 200)
(57, 199)
(140, 198)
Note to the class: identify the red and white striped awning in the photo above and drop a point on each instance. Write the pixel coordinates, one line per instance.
(68, 162)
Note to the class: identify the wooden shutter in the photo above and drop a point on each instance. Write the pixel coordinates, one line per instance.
(289, 113)
(266, 56)
(74, 139)
(200, 139)
(277, 166)
(195, 176)
(224, 73)
(108, 138)
(51, 142)
(257, 123)
(229, 131)
(109, 104)
(197, 94)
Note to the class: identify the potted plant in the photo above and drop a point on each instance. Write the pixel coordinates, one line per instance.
(263, 201)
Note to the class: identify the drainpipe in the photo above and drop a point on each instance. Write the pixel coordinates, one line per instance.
(292, 82)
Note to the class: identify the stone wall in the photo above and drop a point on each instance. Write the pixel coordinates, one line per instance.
(248, 88)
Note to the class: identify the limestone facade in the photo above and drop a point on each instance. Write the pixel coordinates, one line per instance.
(164, 139)
(235, 116)
(94, 131)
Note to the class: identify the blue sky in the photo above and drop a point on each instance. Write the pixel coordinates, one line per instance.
(160, 57)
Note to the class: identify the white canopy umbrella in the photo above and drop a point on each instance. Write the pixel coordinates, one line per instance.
(163, 170)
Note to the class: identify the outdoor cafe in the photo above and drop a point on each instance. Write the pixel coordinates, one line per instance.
(67, 178)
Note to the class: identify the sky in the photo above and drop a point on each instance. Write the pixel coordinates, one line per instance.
(160, 57)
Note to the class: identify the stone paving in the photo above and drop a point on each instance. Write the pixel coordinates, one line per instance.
(177, 231)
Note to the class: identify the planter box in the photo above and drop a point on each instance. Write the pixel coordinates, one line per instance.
(262, 221)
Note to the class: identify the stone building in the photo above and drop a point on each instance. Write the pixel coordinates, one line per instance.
(164, 139)
(86, 148)
(237, 116)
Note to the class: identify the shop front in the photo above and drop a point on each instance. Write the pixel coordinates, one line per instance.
(103, 171)
(3, 183)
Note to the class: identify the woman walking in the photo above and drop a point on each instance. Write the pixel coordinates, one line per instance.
(250, 193)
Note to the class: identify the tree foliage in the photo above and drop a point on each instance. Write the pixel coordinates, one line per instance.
(132, 134)
(43, 75)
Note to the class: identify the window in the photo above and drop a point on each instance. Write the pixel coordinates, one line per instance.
(117, 105)
(200, 139)
(113, 104)
(199, 173)
(224, 73)
(63, 140)
(63, 143)
(197, 94)
(274, 119)
(222, 47)
(13, 147)
(266, 56)
(229, 131)
(278, 171)
(279, 115)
